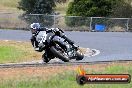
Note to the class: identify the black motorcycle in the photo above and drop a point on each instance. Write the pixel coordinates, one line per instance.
(56, 49)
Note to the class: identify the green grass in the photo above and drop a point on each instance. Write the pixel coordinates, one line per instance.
(65, 80)
(10, 54)
(13, 51)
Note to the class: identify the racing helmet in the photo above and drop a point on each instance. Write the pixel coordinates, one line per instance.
(34, 27)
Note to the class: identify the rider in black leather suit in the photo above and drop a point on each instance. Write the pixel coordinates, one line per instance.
(35, 29)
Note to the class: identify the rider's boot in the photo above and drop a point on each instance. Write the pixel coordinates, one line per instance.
(45, 58)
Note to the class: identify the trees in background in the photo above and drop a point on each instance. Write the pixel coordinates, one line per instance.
(100, 8)
(84, 8)
(94, 8)
(97, 8)
(37, 6)
(87, 8)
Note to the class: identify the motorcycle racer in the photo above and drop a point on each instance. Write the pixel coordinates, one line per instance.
(36, 28)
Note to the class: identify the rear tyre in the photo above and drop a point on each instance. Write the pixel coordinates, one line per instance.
(59, 54)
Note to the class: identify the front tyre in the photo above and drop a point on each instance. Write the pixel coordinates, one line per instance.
(79, 55)
(59, 54)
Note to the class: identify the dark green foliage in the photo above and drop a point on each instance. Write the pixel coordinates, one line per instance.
(37, 6)
(100, 8)
(90, 8)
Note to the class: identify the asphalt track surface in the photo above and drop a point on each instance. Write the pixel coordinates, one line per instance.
(113, 46)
